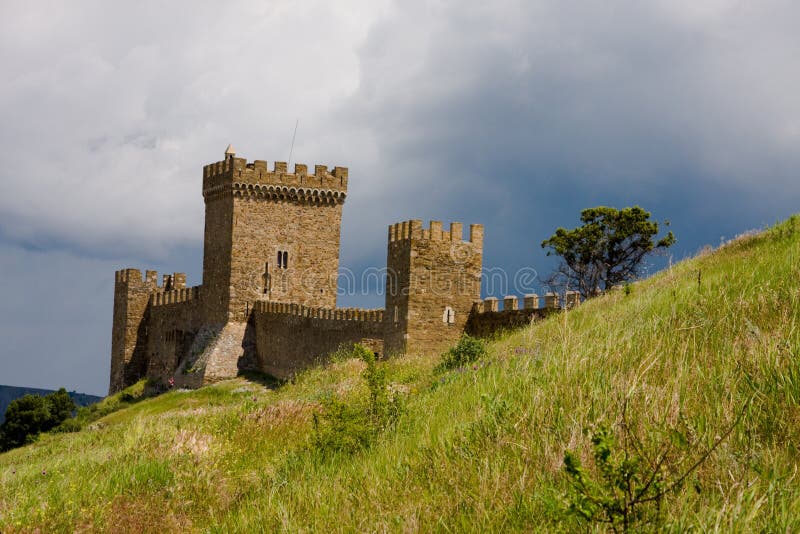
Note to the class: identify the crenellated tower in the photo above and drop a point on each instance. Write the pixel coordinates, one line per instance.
(433, 278)
(130, 327)
(270, 234)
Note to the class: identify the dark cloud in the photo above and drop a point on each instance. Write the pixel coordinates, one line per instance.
(519, 113)
(514, 114)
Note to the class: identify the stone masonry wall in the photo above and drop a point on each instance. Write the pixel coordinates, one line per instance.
(398, 280)
(217, 256)
(174, 319)
(308, 233)
(487, 324)
(487, 319)
(291, 337)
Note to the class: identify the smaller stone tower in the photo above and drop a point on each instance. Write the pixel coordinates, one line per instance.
(433, 277)
(132, 328)
(129, 332)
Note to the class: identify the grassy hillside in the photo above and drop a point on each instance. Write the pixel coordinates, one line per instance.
(708, 346)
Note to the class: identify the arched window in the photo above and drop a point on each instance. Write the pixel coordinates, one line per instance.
(449, 316)
(283, 259)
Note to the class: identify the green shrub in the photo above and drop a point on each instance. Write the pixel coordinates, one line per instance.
(634, 473)
(343, 427)
(30, 415)
(340, 427)
(69, 425)
(467, 350)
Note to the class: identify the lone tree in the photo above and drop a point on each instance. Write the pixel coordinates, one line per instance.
(607, 250)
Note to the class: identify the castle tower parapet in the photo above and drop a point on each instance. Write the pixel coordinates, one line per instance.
(413, 229)
(256, 181)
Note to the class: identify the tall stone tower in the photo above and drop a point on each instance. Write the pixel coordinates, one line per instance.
(269, 235)
(433, 278)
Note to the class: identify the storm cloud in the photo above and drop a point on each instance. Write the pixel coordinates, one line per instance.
(511, 114)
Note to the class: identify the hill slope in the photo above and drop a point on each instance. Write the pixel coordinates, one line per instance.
(709, 346)
(9, 393)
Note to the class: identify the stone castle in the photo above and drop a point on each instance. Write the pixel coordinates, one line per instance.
(268, 297)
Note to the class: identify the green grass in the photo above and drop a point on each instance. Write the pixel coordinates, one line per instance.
(476, 449)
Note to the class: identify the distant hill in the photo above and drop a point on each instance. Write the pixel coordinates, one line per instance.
(9, 393)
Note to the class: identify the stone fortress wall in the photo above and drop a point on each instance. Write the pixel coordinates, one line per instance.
(268, 297)
(487, 319)
(293, 336)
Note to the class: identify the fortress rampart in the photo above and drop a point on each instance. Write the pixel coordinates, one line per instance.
(175, 296)
(291, 336)
(335, 314)
(487, 319)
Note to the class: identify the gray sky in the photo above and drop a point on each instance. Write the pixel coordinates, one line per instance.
(512, 114)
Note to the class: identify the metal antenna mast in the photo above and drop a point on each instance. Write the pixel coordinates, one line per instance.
(291, 150)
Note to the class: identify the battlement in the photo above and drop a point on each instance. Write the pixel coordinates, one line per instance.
(128, 276)
(413, 229)
(133, 277)
(175, 296)
(531, 301)
(335, 314)
(256, 180)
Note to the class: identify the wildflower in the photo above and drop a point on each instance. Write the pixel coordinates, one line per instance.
(44, 472)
